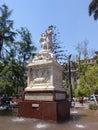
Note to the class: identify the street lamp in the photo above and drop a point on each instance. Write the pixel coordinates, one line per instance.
(70, 85)
(69, 71)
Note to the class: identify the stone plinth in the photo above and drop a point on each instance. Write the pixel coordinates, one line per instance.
(55, 111)
(45, 95)
(44, 81)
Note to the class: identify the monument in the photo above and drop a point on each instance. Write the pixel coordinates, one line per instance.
(44, 96)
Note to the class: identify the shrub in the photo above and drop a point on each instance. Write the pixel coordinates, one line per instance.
(93, 106)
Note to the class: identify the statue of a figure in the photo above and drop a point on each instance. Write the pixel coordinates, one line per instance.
(46, 39)
(30, 58)
(43, 38)
(49, 35)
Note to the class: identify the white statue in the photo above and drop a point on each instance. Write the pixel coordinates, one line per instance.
(49, 35)
(46, 46)
(30, 58)
(46, 39)
(43, 38)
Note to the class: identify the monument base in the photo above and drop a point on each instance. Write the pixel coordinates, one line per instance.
(45, 95)
(45, 110)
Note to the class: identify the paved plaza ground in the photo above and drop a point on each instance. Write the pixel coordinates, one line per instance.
(79, 105)
(81, 118)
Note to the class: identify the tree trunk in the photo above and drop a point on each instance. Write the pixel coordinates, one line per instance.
(1, 44)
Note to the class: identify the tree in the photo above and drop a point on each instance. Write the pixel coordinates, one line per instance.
(82, 50)
(93, 9)
(25, 46)
(82, 91)
(88, 80)
(24, 49)
(15, 52)
(82, 67)
(6, 26)
(79, 50)
(92, 78)
(6, 82)
(96, 57)
(57, 49)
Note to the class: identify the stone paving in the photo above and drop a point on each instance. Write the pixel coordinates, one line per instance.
(79, 105)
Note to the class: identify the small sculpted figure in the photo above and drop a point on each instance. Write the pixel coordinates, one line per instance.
(46, 39)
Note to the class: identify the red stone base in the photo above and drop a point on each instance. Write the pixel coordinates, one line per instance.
(45, 110)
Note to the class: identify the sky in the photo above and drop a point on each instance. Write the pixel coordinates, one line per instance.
(71, 18)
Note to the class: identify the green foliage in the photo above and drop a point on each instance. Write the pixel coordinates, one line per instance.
(82, 91)
(13, 71)
(93, 9)
(57, 49)
(92, 77)
(88, 80)
(25, 45)
(6, 26)
(88, 71)
(93, 106)
(5, 82)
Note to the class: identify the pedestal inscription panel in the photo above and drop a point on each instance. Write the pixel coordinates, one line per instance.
(39, 96)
